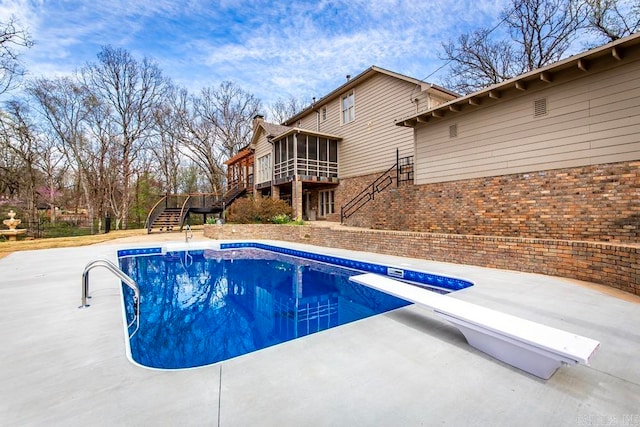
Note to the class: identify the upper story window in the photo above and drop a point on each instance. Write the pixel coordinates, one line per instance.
(348, 108)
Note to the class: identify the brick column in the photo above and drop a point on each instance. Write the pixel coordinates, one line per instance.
(296, 198)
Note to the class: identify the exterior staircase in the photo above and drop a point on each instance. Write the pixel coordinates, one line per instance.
(170, 212)
(168, 220)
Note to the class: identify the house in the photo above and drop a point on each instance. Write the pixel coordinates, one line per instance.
(553, 153)
(322, 157)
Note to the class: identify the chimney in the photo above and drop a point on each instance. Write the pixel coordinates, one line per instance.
(257, 119)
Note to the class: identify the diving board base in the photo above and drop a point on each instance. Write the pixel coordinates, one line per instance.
(529, 359)
(535, 348)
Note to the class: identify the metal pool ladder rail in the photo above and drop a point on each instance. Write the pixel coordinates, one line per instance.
(122, 276)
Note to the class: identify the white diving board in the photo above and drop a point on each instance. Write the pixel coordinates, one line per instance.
(530, 346)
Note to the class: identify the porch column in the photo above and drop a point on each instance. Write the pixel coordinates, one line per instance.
(275, 192)
(296, 198)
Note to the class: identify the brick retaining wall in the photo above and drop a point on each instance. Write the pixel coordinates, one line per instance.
(614, 265)
(595, 203)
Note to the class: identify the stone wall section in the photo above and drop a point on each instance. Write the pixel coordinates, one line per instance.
(614, 265)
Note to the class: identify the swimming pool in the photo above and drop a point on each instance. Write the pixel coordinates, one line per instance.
(201, 306)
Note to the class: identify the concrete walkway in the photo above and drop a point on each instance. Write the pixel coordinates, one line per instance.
(60, 365)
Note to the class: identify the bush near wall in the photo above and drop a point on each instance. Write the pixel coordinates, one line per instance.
(251, 210)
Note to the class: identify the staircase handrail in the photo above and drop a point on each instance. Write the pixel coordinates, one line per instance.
(404, 173)
(183, 214)
(153, 214)
(367, 194)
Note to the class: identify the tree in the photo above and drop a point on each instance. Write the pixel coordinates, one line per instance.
(541, 33)
(20, 137)
(480, 62)
(212, 127)
(231, 110)
(53, 167)
(132, 89)
(613, 19)
(166, 145)
(12, 37)
(283, 109)
(68, 108)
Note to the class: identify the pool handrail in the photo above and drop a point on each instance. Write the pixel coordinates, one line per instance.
(122, 276)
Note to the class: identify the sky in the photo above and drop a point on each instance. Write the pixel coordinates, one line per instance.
(272, 49)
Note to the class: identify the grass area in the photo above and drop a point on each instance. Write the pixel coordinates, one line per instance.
(64, 242)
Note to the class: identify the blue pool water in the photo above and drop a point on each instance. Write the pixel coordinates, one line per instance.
(202, 307)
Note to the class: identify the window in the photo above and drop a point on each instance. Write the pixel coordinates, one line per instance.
(326, 202)
(348, 108)
(264, 168)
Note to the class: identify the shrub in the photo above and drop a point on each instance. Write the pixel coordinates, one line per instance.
(259, 210)
(281, 219)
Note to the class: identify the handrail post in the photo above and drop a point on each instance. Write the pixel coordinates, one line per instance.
(397, 167)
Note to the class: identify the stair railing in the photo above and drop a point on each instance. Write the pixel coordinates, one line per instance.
(183, 213)
(403, 173)
(155, 211)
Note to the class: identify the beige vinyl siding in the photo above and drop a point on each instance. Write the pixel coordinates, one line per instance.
(369, 142)
(262, 148)
(592, 120)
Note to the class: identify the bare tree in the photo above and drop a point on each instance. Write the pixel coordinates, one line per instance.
(10, 164)
(166, 145)
(67, 107)
(541, 33)
(613, 19)
(282, 109)
(132, 89)
(544, 29)
(480, 62)
(231, 110)
(212, 127)
(54, 168)
(12, 37)
(19, 132)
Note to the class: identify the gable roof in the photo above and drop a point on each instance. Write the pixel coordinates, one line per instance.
(564, 70)
(270, 129)
(366, 74)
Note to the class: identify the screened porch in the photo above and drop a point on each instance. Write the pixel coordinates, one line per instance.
(310, 156)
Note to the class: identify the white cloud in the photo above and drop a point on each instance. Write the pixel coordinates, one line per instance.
(272, 49)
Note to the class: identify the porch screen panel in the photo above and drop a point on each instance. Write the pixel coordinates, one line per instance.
(303, 167)
(323, 152)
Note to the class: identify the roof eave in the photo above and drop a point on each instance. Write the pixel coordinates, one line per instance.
(581, 61)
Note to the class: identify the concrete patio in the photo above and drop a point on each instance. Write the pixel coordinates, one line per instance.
(60, 365)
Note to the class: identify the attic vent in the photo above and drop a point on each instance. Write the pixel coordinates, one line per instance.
(453, 131)
(540, 107)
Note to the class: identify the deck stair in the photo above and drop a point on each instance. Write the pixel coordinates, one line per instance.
(229, 197)
(171, 211)
(168, 220)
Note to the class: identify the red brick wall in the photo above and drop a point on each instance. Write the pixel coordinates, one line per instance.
(615, 265)
(594, 203)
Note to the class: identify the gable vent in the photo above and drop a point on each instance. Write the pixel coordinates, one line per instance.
(453, 131)
(540, 107)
